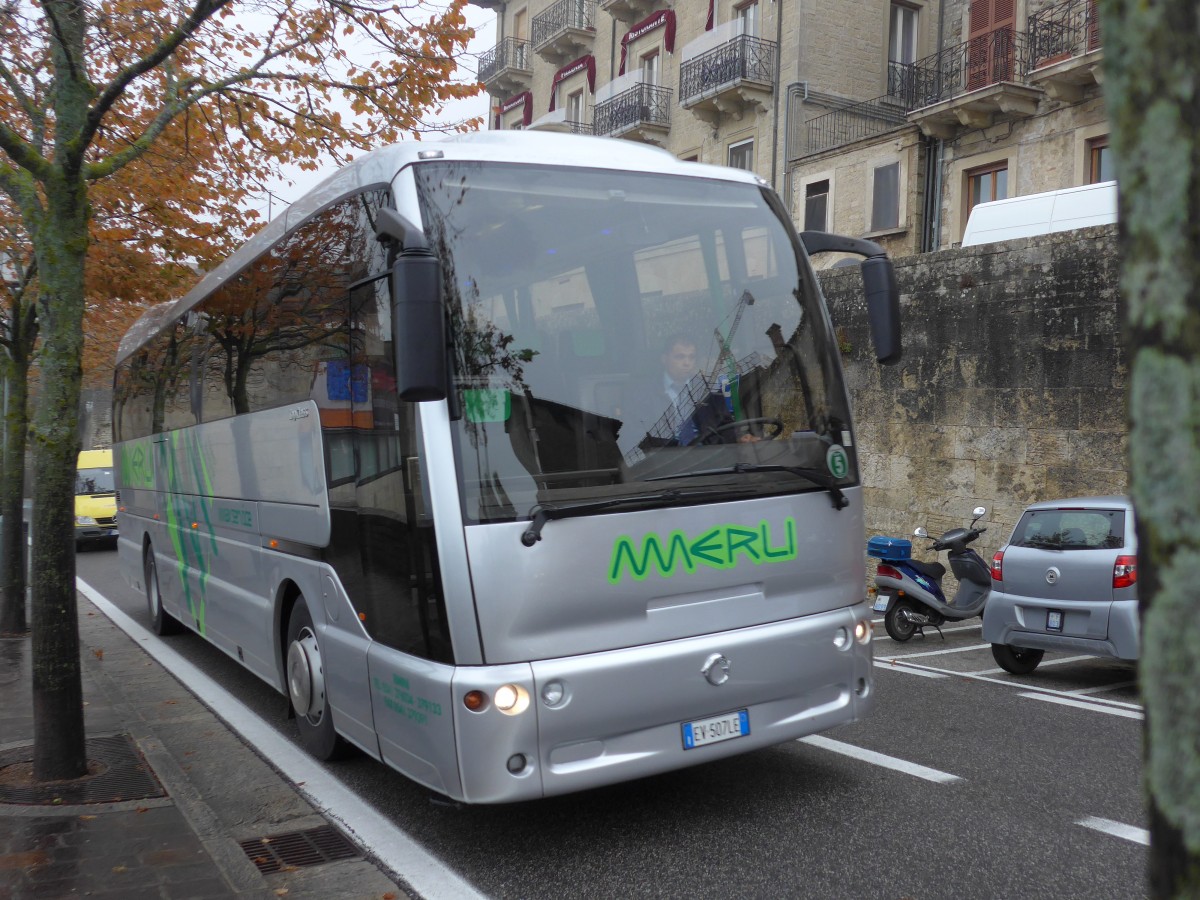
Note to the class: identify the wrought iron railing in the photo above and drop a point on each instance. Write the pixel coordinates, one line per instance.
(988, 59)
(744, 58)
(899, 79)
(1061, 31)
(564, 14)
(578, 127)
(642, 104)
(853, 122)
(510, 53)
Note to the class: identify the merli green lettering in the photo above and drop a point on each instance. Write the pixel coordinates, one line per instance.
(722, 547)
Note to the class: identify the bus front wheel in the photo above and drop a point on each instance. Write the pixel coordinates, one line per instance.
(306, 687)
(161, 621)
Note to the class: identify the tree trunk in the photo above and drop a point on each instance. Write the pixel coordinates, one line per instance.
(12, 496)
(1150, 76)
(57, 686)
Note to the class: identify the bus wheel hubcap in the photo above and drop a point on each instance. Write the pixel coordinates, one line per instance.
(306, 681)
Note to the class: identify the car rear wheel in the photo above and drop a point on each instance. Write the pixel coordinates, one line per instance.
(899, 628)
(1016, 660)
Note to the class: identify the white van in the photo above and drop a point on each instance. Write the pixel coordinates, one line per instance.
(1032, 214)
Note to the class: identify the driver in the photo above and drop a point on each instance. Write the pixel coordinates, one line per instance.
(694, 412)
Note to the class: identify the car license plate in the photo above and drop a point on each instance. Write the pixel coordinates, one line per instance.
(881, 603)
(1054, 620)
(717, 729)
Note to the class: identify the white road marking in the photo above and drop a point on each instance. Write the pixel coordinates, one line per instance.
(394, 847)
(940, 652)
(975, 676)
(1103, 688)
(1042, 665)
(907, 670)
(949, 630)
(888, 762)
(1117, 829)
(1082, 704)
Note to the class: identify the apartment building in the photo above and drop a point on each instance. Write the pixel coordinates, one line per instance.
(886, 119)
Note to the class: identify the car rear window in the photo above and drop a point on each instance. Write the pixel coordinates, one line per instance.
(1071, 529)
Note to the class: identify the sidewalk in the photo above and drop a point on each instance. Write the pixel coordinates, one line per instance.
(176, 805)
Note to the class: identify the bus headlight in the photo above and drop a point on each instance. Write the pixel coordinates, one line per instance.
(511, 699)
(84, 520)
(862, 631)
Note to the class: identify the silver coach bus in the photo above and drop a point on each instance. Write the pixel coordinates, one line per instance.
(406, 455)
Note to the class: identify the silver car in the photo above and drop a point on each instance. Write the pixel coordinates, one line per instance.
(1066, 580)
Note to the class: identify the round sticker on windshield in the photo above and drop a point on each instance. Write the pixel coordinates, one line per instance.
(837, 461)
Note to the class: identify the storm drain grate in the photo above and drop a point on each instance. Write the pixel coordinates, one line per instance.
(116, 768)
(294, 849)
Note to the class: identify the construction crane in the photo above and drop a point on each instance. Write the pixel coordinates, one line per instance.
(725, 357)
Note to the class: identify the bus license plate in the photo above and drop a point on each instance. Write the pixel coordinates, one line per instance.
(881, 602)
(716, 729)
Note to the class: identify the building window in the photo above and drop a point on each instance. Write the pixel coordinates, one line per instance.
(747, 17)
(575, 107)
(885, 198)
(816, 206)
(987, 184)
(741, 156)
(650, 68)
(521, 25)
(902, 35)
(1100, 161)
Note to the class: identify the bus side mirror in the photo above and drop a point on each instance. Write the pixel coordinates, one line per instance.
(883, 308)
(879, 284)
(419, 326)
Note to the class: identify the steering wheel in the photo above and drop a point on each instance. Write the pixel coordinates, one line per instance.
(777, 425)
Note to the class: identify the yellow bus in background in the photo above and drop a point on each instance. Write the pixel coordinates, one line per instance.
(95, 499)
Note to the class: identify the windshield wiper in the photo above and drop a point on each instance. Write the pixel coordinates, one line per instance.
(544, 512)
(816, 476)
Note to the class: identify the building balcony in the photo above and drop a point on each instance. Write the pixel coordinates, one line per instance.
(565, 30)
(853, 122)
(557, 120)
(968, 85)
(725, 73)
(628, 11)
(633, 110)
(507, 68)
(1063, 49)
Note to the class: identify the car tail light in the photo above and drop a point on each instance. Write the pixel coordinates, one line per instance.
(998, 566)
(886, 571)
(1125, 572)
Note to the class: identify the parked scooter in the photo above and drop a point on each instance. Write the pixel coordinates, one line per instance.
(909, 592)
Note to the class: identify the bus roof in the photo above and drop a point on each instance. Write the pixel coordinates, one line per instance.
(380, 166)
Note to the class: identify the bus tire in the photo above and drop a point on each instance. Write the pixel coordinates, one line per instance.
(306, 687)
(1016, 660)
(161, 621)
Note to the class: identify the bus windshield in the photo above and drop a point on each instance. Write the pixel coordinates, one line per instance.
(629, 338)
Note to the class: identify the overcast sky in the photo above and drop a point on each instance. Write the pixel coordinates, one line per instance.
(298, 182)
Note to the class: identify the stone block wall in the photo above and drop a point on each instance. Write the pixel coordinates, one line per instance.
(1012, 388)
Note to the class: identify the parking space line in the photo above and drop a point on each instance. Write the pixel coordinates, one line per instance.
(879, 759)
(940, 652)
(975, 676)
(907, 670)
(1082, 704)
(1103, 688)
(950, 630)
(1117, 829)
(1042, 665)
